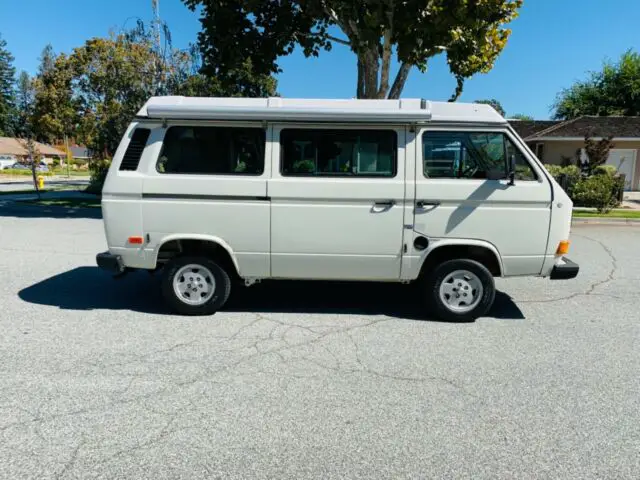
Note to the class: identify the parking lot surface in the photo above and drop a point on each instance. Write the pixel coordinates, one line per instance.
(306, 380)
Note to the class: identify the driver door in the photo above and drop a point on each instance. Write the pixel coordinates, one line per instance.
(462, 192)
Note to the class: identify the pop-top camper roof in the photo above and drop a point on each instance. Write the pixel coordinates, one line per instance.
(291, 109)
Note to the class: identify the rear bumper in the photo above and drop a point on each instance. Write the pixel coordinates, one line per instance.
(565, 271)
(110, 263)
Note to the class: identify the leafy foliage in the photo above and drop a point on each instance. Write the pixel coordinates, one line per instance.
(599, 190)
(521, 116)
(597, 151)
(497, 106)
(24, 105)
(615, 90)
(7, 99)
(235, 32)
(47, 60)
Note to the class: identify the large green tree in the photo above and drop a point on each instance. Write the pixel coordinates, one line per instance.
(471, 33)
(24, 105)
(47, 59)
(615, 90)
(7, 95)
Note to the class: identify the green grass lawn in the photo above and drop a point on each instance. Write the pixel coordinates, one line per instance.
(65, 202)
(56, 171)
(22, 173)
(611, 214)
(72, 173)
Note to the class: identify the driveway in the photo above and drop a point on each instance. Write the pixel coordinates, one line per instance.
(304, 380)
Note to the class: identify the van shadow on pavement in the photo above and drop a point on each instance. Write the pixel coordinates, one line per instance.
(9, 208)
(89, 288)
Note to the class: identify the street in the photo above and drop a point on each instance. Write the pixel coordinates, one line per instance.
(305, 380)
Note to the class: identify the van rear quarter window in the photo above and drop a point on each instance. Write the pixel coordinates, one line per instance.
(210, 150)
(338, 153)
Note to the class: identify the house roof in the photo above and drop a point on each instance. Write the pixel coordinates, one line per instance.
(526, 128)
(616, 127)
(14, 146)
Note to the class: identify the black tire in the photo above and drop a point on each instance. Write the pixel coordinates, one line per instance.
(213, 304)
(435, 279)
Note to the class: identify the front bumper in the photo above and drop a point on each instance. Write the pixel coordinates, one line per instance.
(110, 263)
(565, 271)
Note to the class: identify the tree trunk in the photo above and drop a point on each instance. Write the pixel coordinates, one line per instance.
(360, 88)
(401, 79)
(369, 59)
(386, 65)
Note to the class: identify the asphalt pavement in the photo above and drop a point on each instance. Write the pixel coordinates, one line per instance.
(305, 380)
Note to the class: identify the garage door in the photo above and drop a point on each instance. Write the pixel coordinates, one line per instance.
(625, 162)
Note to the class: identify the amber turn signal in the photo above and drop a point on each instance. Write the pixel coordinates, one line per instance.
(563, 247)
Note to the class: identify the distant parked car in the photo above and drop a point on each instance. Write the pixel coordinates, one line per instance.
(6, 161)
(19, 166)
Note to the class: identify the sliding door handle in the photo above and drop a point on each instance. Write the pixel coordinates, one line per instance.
(384, 203)
(427, 203)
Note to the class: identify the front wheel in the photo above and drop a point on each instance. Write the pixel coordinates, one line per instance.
(460, 290)
(195, 285)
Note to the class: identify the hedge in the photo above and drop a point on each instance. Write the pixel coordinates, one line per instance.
(603, 190)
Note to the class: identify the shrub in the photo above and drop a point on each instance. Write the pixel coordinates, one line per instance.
(98, 169)
(554, 170)
(597, 191)
(605, 170)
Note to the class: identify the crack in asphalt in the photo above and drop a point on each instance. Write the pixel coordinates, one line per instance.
(591, 289)
(277, 333)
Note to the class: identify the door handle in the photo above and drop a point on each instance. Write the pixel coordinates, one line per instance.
(427, 203)
(384, 203)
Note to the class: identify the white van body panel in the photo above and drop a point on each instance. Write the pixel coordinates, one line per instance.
(231, 209)
(336, 227)
(340, 228)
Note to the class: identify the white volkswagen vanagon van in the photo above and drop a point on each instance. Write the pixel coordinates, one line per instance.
(443, 194)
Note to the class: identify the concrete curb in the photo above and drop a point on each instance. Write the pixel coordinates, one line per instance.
(632, 222)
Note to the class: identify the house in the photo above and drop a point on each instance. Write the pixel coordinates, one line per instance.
(81, 153)
(560, 142)
(17, 148)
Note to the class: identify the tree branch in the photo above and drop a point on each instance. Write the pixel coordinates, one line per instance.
(401, 79)
(458, 90)
(339, 40)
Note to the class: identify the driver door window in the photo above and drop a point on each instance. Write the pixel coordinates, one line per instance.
(470, 155)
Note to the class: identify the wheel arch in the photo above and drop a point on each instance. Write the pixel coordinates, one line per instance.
(208, 245)
(482, 251)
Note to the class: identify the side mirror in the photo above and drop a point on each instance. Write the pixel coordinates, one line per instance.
(511, 175)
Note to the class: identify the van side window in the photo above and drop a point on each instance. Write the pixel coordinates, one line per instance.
(212, 151)
(471, 155)
(338, 153)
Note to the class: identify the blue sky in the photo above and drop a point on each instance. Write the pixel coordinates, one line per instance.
(554, 42)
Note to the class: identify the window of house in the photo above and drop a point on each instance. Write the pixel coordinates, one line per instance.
(471, 155)
(212, 151)
(540, 151)
(339, 153)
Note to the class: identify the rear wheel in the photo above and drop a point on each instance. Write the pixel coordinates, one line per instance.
(195, 285)
(460, 290)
